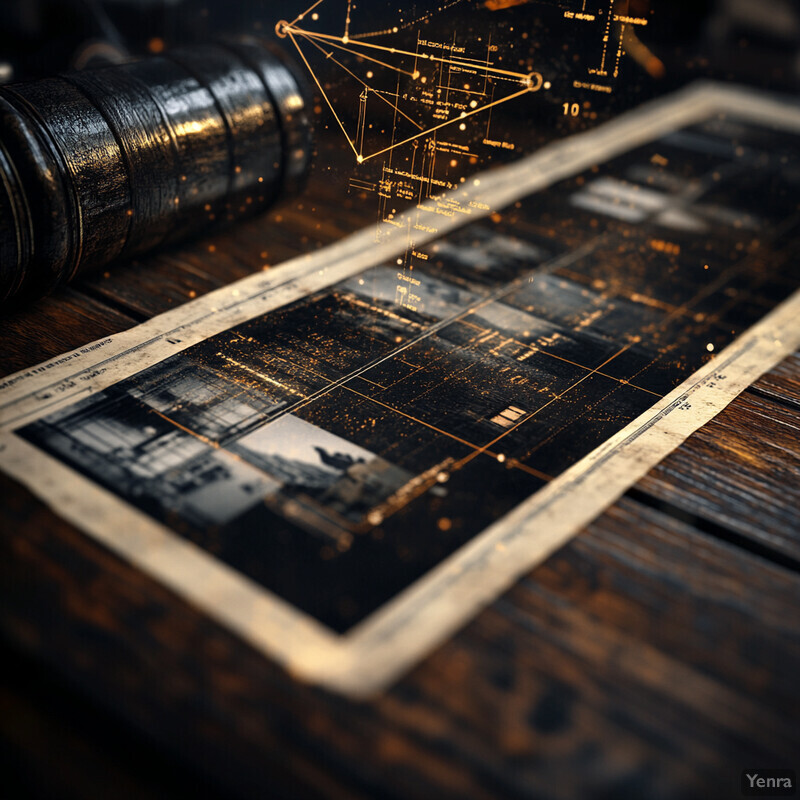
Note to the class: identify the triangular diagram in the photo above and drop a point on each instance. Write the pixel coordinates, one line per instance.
(397, 95)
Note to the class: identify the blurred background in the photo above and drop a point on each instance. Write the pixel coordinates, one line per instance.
(755, 42)
(39, 36)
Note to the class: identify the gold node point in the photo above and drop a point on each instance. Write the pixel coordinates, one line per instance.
(533, 81)
(282, 29)
(359, 159)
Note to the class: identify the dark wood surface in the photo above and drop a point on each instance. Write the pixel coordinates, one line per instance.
(655, 656)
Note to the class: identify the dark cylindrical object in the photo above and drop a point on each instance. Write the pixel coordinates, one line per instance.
(107, 163)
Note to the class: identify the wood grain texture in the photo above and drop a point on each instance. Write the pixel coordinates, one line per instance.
(729, 473)
(636, 659)
(112, 300)
(55, 324)
(783, 383)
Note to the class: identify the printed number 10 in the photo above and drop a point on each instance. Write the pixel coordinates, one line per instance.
(571, 109)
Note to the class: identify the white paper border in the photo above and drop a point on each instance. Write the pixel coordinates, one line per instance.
(378, 650)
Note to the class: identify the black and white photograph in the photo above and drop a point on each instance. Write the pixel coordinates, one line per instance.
(319, 472)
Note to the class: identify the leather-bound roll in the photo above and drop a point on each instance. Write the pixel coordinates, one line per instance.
(106, 163)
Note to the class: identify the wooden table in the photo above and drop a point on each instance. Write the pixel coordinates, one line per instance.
(656, 655)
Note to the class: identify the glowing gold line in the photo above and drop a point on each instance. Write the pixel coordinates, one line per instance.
(434, 428)
(322, 91)
(358, 55)
(552, 400)
(396, 51)
(543, 351)
(444, 124)
(361, 55)
(300, 16)
(203, 439)
(516, 464)
(377, 94)
(371, 34)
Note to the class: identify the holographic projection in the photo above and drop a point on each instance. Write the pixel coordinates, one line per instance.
(415, 100)
(432, 83)
(438, 83)
(337, 449)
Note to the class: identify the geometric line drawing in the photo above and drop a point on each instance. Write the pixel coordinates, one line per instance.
(365, 49)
